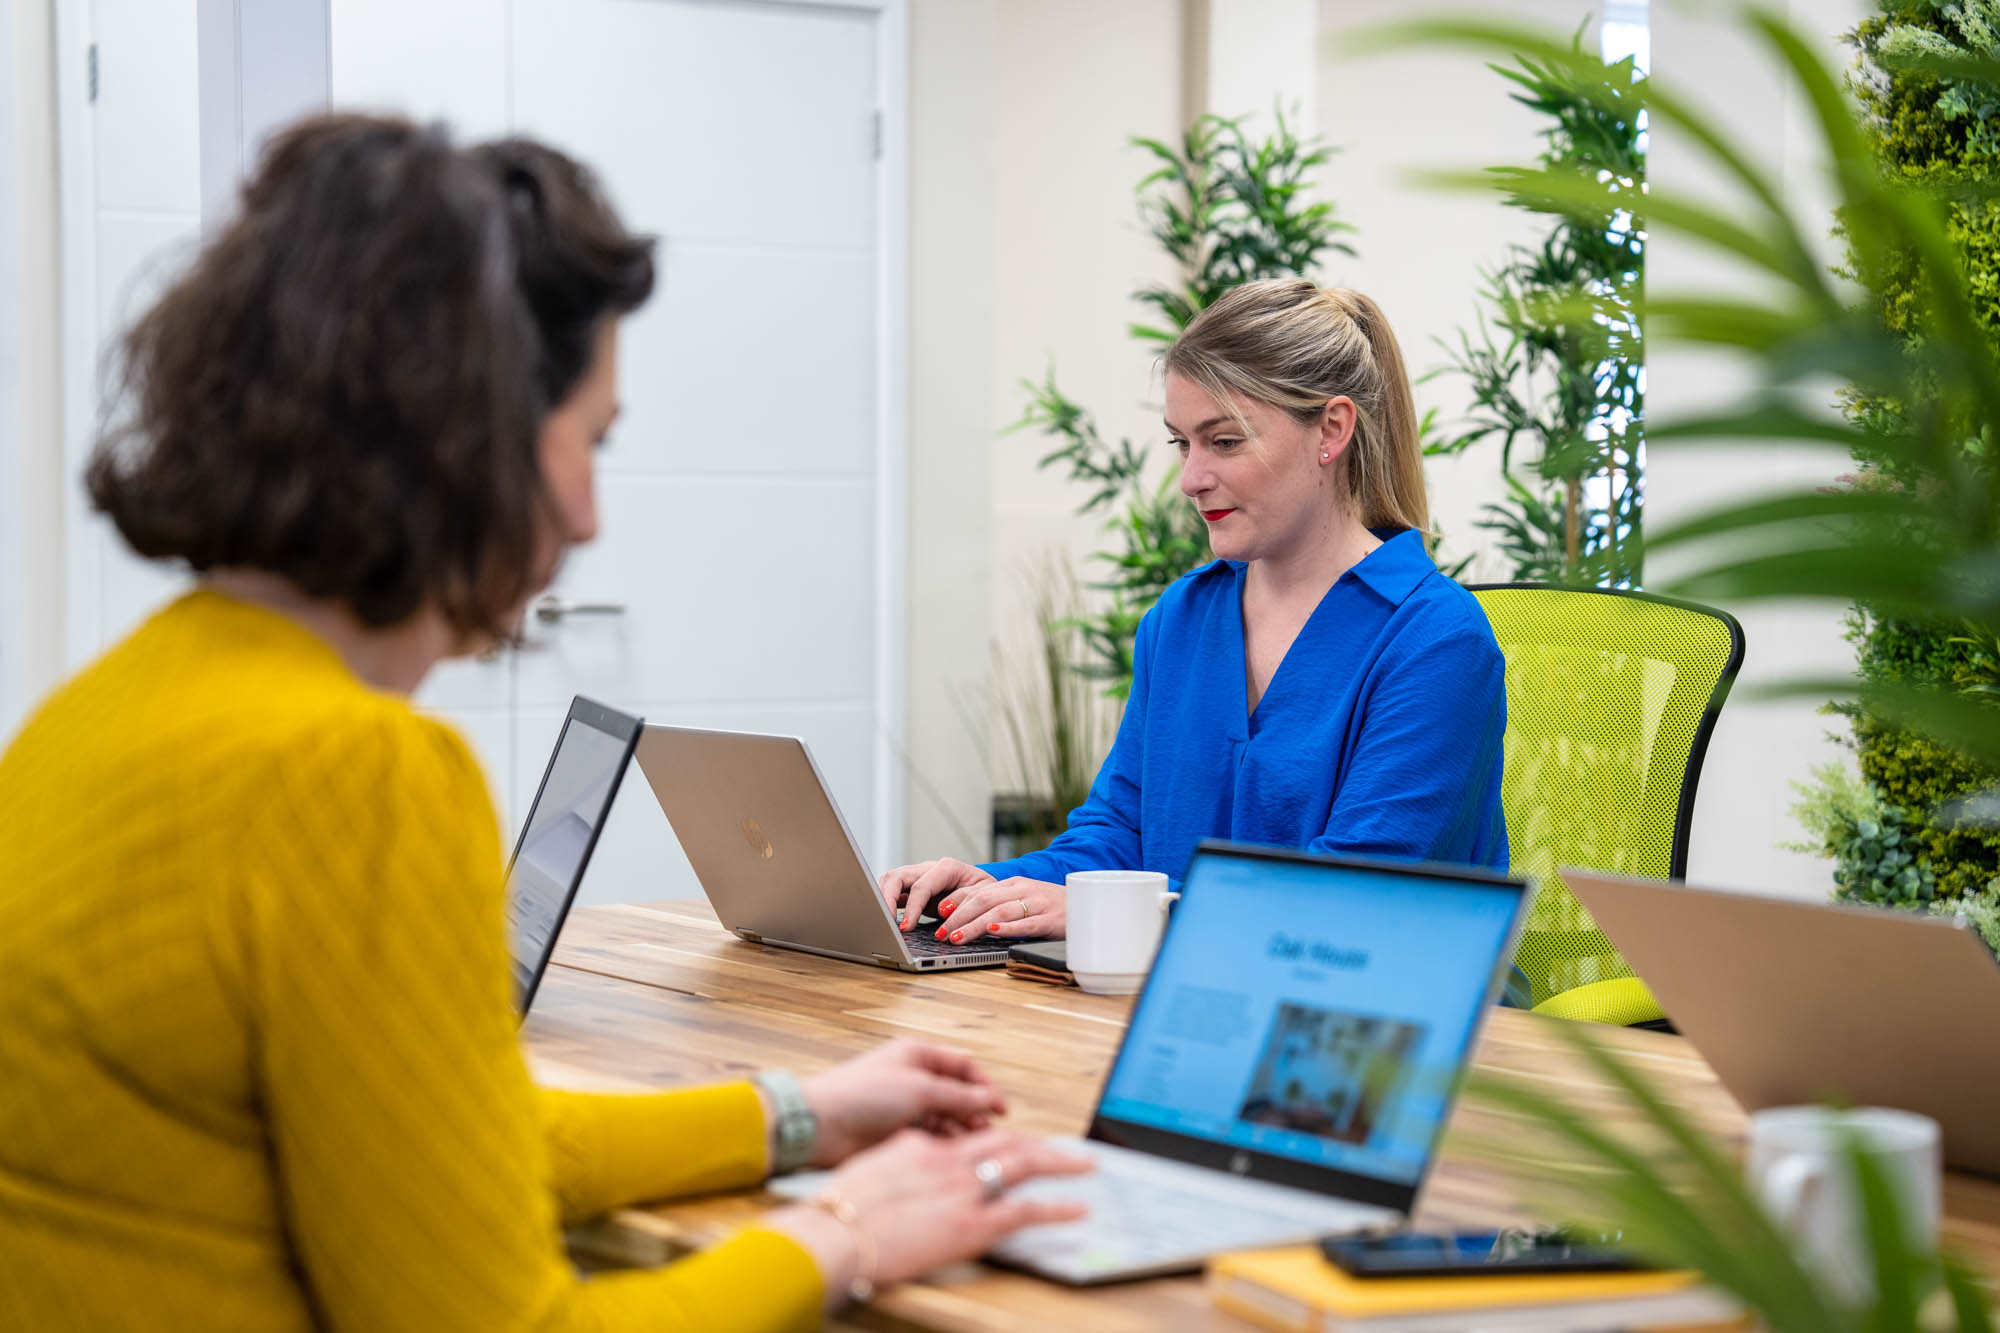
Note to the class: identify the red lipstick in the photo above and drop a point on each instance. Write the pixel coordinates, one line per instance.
(1216, 515)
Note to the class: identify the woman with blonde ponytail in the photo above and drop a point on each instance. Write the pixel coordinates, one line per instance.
(1319, 684)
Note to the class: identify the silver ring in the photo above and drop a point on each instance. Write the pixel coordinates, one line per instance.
(992, 1178)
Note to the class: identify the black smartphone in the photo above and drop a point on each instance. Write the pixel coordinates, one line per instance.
(1467, 1253)
(1050, 954)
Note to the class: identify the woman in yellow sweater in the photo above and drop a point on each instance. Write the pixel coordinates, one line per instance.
(258, 1064)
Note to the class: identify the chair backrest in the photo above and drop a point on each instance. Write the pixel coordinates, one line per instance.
(1611, 697)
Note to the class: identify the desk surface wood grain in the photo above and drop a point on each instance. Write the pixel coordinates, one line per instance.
(657, 995)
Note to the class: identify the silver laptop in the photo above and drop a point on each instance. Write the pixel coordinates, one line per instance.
(1793, 1001)
(1289, 1065)
(592, 751)
(774, 856)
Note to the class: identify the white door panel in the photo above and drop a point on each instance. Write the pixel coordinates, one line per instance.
(719, 122)
(138, 256)
(738, 591)
(130, 589)
(750, 359)
(637, 857)
(433, 60)
(478, 697)
(147, 116)
(737, 493)
(468, 683)
(143, 226)
(491, 736)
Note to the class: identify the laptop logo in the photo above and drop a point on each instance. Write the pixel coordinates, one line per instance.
(1239, 1163)
(753, 834)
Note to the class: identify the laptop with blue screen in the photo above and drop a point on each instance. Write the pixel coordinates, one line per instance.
(1289, 1065)
(591, 754)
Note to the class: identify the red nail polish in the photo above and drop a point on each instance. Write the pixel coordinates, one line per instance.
(940, 933)
(993, 926)
(957, 935)
(947, 907)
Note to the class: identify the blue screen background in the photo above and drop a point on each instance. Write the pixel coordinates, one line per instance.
(1312, 1011)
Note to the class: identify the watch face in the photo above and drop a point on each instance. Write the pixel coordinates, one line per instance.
(797, 1127)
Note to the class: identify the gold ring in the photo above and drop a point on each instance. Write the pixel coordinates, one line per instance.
(1025, 913)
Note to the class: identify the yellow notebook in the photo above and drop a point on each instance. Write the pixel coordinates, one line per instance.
(1298, 1291)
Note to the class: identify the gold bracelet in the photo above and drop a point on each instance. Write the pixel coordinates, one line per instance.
(862, 1289)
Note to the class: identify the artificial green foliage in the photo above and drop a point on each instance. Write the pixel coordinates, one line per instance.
(1940, 135)
(1556, 362)
(1951, 120)
(1979, 910)
(1935, 133)
(1924, 548)
(1924, 777)
(1058, 726)
(1229, 209)
(1873, 842)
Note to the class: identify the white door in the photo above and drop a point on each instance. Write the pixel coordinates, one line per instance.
(132, 203)
(739, 489)
(744, 538)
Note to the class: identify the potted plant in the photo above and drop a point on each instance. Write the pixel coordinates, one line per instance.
(1555, 363)
(1229, 209)
(1056, 721)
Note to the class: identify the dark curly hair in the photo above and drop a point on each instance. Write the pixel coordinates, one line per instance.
(347, 387)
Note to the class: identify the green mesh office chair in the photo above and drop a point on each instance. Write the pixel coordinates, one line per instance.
(1611, 697)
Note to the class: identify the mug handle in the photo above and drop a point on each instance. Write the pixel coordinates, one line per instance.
(1168, 897)
(1788, 1187)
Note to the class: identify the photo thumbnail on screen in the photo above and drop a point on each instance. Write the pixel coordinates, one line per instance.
(1330, 1073)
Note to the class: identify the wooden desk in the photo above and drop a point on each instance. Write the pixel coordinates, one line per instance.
(655, 995)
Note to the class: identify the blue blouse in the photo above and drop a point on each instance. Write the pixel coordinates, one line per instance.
(1379, 733)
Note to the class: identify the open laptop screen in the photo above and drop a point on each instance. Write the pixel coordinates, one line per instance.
(1314, 1011)
(576, 792)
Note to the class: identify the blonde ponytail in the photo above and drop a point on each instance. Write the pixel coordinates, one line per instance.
(1295, 346)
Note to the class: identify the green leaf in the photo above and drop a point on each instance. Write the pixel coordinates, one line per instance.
(1968, 1298)
(1816, 506)
(1766, 420)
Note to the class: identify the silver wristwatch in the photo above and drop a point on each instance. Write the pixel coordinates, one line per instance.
(797, 1125)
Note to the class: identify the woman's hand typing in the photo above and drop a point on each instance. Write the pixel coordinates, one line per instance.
(918, 1202)
(897, 1085)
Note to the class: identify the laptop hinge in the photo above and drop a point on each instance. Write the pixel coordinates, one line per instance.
(750, 935)
(883, 960)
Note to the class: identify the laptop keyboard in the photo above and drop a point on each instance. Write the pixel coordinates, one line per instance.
(925, 944)
(1139, 1219)
(1142, 1217)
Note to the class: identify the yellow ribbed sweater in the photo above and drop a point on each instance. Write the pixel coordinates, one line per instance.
(258, 1062)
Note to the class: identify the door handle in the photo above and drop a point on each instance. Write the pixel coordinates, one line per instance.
(550, 610)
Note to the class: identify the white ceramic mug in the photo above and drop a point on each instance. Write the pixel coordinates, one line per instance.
(1797, 1165)
(1115, 920)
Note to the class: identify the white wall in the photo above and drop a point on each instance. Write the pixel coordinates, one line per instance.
(1258, 54)
(1072, 84)
(953, 121)
(1760, 746)
(13, 575)
(31, 472)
